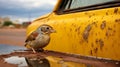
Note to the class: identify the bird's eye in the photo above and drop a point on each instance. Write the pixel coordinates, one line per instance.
(47, 28)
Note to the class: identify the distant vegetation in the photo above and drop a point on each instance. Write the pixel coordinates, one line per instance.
(7, 23)
(10, 24)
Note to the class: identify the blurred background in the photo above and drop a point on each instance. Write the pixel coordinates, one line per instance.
(16, 15)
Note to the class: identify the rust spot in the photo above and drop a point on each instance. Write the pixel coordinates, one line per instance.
(117, 20)
(86, 13)
(90, 16)
(64, 28)
(109, 28)
(114, 31)
(86, 32)
(114, 26)
(101, 42)
(95, 23)
(77, 29)
(110, 32)
(73, 25)
(93, 14)
(95, 50)
(106, 13)
(116, 10)
(96, 41)
(96, 34)
(91, 52)
(107, 34)
(78, 32)
(92, 45)
(103, 25)
(70, 29)
(112, 45)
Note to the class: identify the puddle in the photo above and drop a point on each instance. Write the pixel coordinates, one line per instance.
(20, 61)
(5, 49)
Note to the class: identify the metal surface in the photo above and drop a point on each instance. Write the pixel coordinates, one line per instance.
(58, 59)
(89, 33)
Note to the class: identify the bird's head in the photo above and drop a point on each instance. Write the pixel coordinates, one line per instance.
(45, 29)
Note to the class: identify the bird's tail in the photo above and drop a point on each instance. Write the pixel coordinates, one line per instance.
(27, 45)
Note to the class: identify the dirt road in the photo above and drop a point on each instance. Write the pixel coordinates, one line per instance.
(12, 36)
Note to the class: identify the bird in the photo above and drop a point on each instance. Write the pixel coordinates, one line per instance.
(39, 38)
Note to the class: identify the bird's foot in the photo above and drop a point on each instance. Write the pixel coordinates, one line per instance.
(40, 50)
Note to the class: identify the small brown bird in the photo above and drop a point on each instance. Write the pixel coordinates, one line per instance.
(39, 38)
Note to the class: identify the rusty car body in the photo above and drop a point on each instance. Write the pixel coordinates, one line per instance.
(87, 29)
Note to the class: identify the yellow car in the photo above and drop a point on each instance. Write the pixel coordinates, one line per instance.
(87, 28)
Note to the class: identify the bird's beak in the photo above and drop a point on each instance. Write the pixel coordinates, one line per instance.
(53, 31)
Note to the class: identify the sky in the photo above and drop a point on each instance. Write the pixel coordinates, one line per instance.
(24, 10)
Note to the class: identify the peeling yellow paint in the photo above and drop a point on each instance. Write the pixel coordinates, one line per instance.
(90, 33)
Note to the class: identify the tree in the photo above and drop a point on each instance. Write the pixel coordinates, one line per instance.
(7, 23)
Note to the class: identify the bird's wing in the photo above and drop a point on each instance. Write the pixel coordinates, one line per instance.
(32, 36)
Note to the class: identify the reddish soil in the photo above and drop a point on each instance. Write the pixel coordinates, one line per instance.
(12, 36)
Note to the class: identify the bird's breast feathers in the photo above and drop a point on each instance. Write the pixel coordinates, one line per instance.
(43, 38)
(40, 41)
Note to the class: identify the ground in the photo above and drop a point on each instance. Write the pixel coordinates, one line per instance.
(11, 37)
